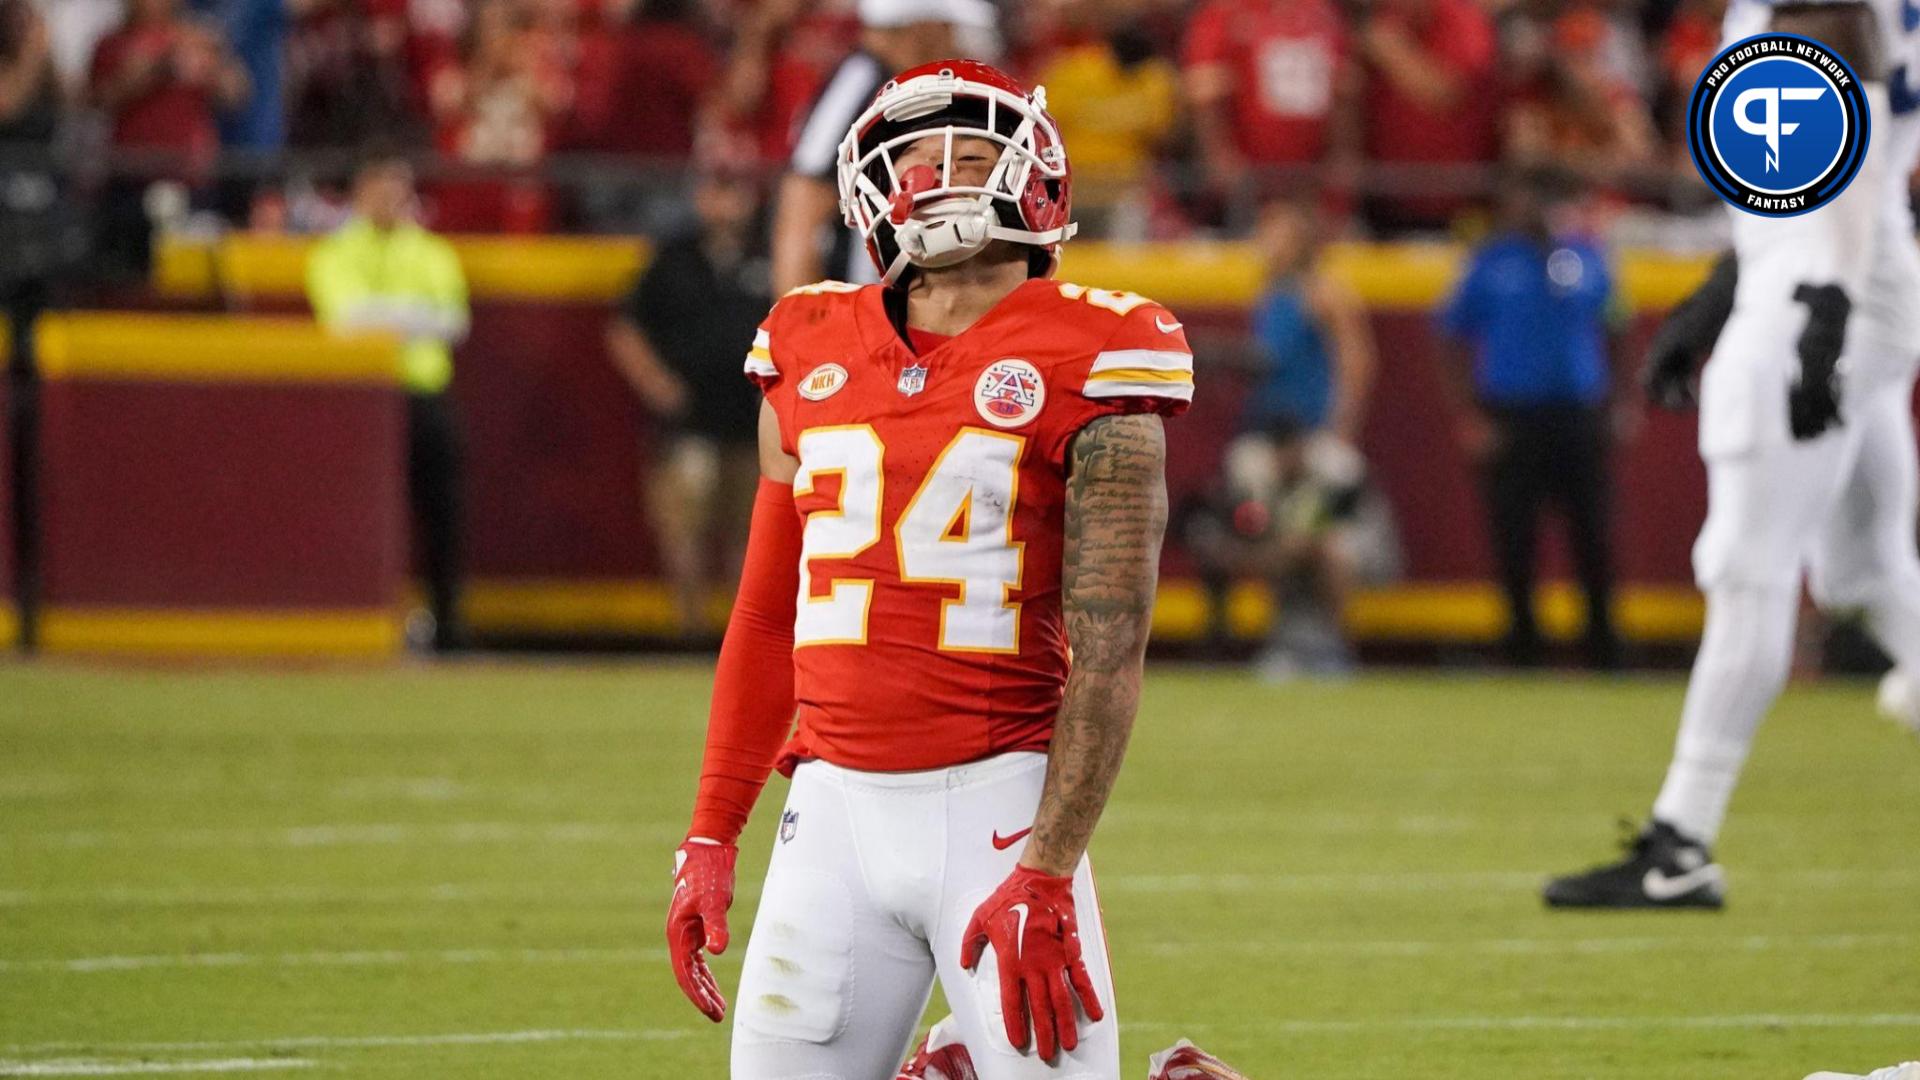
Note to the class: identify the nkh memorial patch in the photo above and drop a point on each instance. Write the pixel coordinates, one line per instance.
(823, 382)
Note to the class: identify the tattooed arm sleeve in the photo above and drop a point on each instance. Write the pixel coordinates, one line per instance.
(1116, 513)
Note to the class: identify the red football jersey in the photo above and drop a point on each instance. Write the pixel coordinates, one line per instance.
(932, 488)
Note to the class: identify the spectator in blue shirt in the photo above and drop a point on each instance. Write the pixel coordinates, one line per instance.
(1292, 506)
(1528, 327)
(256, 31)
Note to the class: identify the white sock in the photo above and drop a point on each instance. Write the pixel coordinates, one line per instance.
(1893, 615)
(1742, 665)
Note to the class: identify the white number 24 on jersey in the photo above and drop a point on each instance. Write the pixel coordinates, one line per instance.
(956, 531)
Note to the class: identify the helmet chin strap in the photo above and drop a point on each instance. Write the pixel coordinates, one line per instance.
(954, 230)
(947, 232)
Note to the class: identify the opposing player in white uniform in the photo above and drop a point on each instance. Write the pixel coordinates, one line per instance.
(1807, 434)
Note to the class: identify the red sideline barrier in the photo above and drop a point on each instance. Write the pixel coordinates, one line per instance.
(556, 444)
(219, 485)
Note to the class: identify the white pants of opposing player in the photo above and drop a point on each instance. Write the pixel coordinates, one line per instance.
(1839, 508)
(869, 890)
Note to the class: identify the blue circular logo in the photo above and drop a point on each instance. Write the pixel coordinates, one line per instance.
(1778, 124)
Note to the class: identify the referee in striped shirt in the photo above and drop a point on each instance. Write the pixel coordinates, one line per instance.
(809, 243)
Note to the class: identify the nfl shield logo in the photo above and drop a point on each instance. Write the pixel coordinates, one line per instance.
(789, 823)
(913, 380)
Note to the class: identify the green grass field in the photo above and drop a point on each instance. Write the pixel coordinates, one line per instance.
(461, 871)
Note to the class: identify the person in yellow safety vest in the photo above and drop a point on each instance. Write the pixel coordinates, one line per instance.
(382, 272)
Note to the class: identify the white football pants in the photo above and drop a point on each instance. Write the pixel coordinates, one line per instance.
(1841, 509)
(871, 885)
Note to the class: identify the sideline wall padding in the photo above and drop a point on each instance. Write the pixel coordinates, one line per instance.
(557, 445)
(220, 485)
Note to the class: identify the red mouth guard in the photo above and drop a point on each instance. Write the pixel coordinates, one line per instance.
(912, 182)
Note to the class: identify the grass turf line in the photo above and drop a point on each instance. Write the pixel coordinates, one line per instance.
(1319, 882)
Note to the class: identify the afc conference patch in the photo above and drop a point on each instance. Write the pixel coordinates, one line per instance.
(1778, 124)
(1009, 392)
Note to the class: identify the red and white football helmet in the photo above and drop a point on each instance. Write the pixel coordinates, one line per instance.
(921, 220)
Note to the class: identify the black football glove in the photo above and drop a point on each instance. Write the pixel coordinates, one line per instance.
(1687, 334)
(1669, 372)
(1813, 403)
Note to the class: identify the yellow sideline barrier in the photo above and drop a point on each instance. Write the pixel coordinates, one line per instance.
(1464, 612)
(551, 268)
(210, 348)
(1202, 274)
(359, 634)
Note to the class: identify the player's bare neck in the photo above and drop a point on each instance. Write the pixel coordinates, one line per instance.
(950, 299)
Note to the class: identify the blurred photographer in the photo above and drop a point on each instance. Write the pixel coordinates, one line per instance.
(1292, 507)
(1293, 510)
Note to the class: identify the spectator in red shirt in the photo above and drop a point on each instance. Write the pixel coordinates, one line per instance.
(29, 91)
(163, 80)
(1269, 83)
(1430, 101)
(348, 75)
(1690, 41)
(499, 107)
(643, 88)
(1578, 113)
(782, 54)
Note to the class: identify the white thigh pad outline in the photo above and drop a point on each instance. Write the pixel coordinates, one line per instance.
(795, 982)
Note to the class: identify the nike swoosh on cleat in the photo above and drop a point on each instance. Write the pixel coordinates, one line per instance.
(1658, 886)
(1002, 843)
(1165, 326)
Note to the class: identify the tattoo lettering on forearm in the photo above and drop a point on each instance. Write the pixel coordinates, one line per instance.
(1116, 515)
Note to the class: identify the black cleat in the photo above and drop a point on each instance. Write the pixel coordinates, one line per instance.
(1663, 869)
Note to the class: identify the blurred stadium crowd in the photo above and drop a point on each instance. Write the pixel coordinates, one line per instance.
(707, 126)
(565, 115)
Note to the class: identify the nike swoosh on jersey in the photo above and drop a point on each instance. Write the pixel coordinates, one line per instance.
(1002, 843)
(1659, 886)
(1165, 326)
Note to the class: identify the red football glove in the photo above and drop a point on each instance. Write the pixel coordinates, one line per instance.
(1029, 920)
(697, 918)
